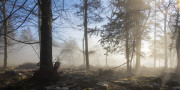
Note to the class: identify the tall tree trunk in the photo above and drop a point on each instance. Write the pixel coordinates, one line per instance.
(5, 35)
(132, 54)
(138, 52)
(155, 47)
(106, 58)
(178, 45)
(84, 57)
(85, 33)
(155, 39)
(159, 56)
(127, 51)
(165, 40)
(46, 65)
(39, 23)
(178, 54)
(72, 58)
(170, 58)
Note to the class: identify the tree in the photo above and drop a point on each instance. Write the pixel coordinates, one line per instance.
(106, 54)
(18, 20)
(125, 27)
(85, 33)
(142, 32)
(46, 36)
(5, 25)
(165, 8)
(178, 42)
(90, 11)
(69, 49)
(159, 49)
(15, 19)
(46, 72)
(155, 32)
(39, 23)
(172, 35)
(26, 35)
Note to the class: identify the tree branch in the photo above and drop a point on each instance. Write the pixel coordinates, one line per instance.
(21, 23)
(22, 41)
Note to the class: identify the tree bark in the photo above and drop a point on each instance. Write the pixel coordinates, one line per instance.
(165, 41)
(46, 64)
(85, 33)
(155, 47)
(155, 39)
(138, 52)
(178, 54)
(39, 23)
(106, 59)
(132, 54)
(5, 35)
(127, 51)
(170, 58)
(178, 46)
(84, 56)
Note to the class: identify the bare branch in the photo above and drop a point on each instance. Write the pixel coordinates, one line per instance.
(14, 12)
(21, 23)
(22, 41)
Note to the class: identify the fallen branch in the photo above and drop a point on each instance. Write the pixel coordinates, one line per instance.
(119, 66)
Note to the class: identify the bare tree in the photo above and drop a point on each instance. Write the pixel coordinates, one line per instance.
(90, 11)
(155, 32)
(165, 7)
(85, 33)
(5, 36)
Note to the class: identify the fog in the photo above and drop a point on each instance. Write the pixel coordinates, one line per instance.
(25, 53)
(90, 44)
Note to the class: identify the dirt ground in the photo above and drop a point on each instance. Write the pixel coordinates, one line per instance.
(95, 79)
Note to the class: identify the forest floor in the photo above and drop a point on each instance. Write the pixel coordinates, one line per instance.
(95, 79)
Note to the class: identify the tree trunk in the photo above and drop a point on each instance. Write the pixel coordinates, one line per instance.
(72, 58)
(165, 40)
(138, 52)
(159, 56)
(5, 35)
(84, 56)
(170, 58)
(39, 23)
(85, 33)
(178, 54)
(173, 53)
(155, 47)
(155, 39)
(46, 66)
(127, 51)
(132, 54)
(106, 59)
(178, 46)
